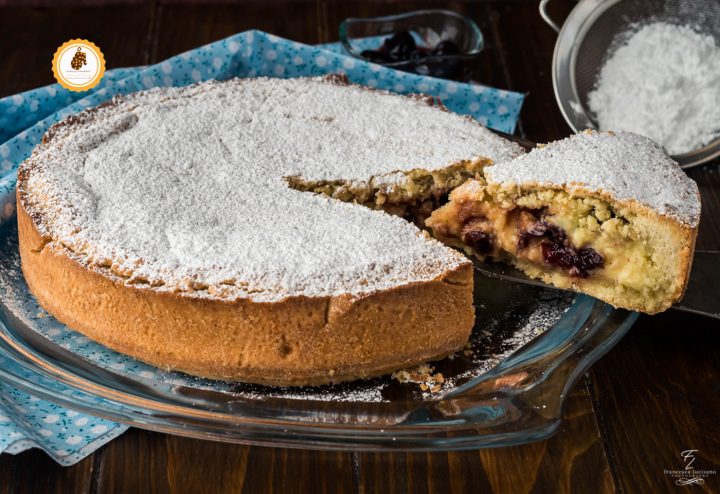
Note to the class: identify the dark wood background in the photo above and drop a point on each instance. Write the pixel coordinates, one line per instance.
(654, 395)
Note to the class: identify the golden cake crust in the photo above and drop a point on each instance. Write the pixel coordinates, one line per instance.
(220, 331)
(296, 341)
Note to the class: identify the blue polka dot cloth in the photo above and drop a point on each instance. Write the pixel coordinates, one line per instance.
(67, 435)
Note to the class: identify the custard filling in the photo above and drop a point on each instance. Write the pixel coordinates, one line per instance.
(566, 240)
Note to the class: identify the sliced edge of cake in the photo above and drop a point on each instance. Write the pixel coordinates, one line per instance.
(602, 213)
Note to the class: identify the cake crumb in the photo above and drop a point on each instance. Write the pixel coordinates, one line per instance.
(423, 375)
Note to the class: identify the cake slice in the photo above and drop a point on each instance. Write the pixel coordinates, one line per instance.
(606, 214)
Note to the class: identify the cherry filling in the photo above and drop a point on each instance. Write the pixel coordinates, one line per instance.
(575, 262)
(401, 46)
(477, 233)
(557, 252)
(538, 238)
(439, 61)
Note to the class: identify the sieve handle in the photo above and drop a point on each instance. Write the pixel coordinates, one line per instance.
(548, 20)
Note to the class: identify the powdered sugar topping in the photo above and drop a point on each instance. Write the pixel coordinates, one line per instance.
(663, 82)
(183, 188)
(626, 166)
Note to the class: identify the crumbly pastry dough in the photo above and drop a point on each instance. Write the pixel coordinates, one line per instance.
(600, 213)
(172, 225)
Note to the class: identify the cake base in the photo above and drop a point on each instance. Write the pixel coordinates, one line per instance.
(295, 341)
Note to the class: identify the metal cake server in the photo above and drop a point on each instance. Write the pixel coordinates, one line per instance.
(701, 297)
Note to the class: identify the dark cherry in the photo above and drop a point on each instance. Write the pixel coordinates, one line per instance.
(399, 46)
(375, 56)
(557, 251)
(590, 259)
(560, 255)
(556, 234)
(416, 55)
(575, 262)
(446, 47)
(543, 229)
(482, 242)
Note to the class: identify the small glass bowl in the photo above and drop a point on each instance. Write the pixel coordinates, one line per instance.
(428, 28)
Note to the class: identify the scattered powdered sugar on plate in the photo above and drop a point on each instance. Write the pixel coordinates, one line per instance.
(184, 187)
(502, 328)
(662, 81)
(627, 166)
(485, 354)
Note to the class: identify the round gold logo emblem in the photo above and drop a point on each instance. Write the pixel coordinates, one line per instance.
(78, 65)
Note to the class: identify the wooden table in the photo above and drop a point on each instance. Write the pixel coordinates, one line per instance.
(654, 395)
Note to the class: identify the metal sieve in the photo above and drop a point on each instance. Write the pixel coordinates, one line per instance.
(588, 36)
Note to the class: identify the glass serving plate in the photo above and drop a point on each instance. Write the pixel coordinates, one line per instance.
(528, 348)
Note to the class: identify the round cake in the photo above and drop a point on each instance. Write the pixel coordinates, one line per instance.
(236, 230)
